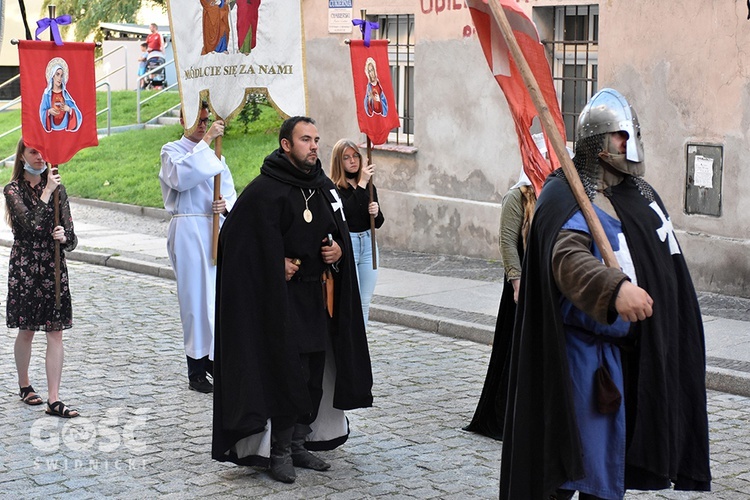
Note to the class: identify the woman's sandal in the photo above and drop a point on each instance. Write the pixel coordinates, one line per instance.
(58, 409)
(29, 396)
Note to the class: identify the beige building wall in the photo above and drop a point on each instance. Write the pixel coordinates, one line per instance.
(13, 28)
(682, 65)
(686, 72)
(443, 195)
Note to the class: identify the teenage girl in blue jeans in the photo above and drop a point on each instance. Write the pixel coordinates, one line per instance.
(351, 177)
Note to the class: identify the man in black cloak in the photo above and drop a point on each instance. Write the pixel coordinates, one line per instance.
(607, 383)
(290, 346)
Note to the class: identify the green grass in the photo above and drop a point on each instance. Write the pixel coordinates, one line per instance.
(124, 106)
(124, 168)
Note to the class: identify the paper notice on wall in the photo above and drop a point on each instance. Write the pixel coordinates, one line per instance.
(340, 16)
(704, 172)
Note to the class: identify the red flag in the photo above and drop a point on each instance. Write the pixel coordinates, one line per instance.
(507, 75)
(58, 98)
(373, 91)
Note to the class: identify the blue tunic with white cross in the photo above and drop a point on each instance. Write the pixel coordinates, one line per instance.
(602, 436)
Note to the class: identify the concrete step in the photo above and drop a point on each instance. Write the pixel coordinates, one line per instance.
(168, 120)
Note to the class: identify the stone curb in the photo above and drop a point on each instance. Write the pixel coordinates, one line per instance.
(156, 213)
(430, 323)
(113, 260)
(718, 379)
(731, 381)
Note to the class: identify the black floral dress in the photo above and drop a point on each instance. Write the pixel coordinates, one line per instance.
(31, 273)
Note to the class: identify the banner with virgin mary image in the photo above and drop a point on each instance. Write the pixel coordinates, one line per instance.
(225, 49)
(373, 91)
(58, 98)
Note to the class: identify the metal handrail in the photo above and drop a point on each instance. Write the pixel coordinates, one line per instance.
(108, 109)
(138, 89)
(10, 131)
(113, 72)
(11, 103)
(125, 66)
(99, 82)
(155, 119)
(8, 105)
(11, 79)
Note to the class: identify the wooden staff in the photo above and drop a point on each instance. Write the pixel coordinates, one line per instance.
(372, 200)
(595, 226)
(55, 199)
(56, 202)
(363, 16)
(217, 195)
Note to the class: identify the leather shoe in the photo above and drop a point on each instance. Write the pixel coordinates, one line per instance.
(305, 459)
(282, 469)
(201, 384)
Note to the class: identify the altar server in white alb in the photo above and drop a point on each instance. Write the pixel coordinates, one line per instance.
(188, 167)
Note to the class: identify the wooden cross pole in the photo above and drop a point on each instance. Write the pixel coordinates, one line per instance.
(558, 144)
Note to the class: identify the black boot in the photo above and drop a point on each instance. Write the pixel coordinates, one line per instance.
(300, 456)
(282, 468)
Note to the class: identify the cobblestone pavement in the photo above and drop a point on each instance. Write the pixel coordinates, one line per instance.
(144, 434)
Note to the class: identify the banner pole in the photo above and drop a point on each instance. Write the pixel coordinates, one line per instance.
(217, 196)
(372, 217)
(363, 16)
(55, 200)
(597, 232)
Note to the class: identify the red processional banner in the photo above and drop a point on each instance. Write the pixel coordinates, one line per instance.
(509, 78)
(58, 98)
(373, 91)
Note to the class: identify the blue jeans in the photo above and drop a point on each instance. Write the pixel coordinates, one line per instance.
(366, 275)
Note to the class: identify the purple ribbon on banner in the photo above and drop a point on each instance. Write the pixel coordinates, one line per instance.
(52, 24)
(365, 27)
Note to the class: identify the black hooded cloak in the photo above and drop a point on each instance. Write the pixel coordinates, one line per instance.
(665, 395)
(260, 330)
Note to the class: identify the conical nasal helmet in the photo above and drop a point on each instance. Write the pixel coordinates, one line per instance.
(609, 111)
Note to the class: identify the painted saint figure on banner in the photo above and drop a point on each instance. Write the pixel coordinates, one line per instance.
(247, 24)
(375, 101)
(58, 110)
(215, 26)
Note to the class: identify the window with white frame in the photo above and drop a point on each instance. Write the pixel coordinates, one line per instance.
(574, 59)
(399, 29)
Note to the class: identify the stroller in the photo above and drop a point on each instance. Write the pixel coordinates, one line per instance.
(157, 80)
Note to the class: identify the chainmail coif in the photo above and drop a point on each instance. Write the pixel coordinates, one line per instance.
(587, 163)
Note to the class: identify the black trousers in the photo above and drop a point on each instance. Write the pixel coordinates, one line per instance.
(313, 366)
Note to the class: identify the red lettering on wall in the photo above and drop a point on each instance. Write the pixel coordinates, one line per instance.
(438, 6)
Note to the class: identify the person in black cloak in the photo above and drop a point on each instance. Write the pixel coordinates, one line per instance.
(608, 366)
(515, 220)
(290, 347)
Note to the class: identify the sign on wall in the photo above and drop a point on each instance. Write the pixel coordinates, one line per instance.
(704, 172)
(340, 16)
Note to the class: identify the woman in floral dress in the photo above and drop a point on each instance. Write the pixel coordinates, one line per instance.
(31, 273)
